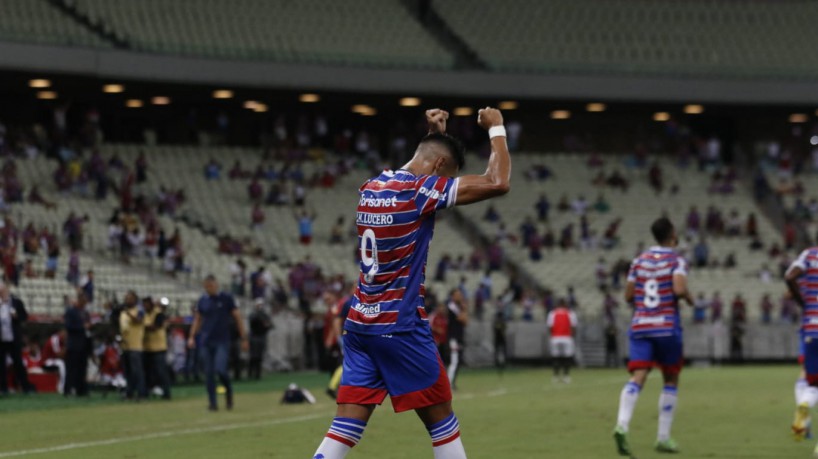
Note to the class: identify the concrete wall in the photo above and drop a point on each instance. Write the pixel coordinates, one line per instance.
(145, 66)
(528, 341)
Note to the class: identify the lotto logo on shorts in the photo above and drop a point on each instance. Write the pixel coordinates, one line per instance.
(318, 456)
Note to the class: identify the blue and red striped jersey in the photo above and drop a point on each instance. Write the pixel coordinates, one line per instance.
(656, 311)
(808, 284)
(396, 220)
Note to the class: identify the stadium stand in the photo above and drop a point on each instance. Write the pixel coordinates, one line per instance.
(637, 207)
(223, 207)
(112, 278)
(363, 32)
(698, 38)
(701, 38)
(40, 22)
(214, 208)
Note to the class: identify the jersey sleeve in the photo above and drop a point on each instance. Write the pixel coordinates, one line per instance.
(435, 193)
(800, 262)
(680, 267)
(550, 319)
(573, 317)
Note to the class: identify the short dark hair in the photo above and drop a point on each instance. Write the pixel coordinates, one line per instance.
(662, 229)
(454, 146)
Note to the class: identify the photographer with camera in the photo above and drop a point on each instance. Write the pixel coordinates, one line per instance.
(132, 329)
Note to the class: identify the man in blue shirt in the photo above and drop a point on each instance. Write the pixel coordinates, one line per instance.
(305, 220)
(211, 322)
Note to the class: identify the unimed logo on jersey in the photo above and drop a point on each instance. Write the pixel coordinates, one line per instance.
(368, 310)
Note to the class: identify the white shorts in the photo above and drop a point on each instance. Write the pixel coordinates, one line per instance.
(562, 346)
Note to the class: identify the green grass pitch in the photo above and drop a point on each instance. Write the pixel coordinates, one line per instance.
(735, 412)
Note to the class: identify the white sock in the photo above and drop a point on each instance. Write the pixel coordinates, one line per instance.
(446, 439)
(800, 385)
(627, 402)
(454, 362)
(344, 433)
(331, 449)
(667, 408)
(452, 450)
(809, 396)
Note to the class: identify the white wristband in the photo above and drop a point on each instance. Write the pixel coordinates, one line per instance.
(497, 131)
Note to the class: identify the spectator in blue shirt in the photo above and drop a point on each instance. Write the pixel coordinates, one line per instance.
(305, 220)
(211, 321)
(213, 170)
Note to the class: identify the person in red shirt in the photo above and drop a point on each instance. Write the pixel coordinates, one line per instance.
(562, 325)
(33, 357)
(110, 366)
(54, 356)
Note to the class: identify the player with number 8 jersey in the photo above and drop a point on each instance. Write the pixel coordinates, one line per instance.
(388, 344)
(657, 280)
(802, 282)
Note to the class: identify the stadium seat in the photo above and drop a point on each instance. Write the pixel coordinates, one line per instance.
(366, 32)
(639, 38)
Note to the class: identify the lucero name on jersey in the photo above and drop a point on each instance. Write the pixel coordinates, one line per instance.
(366, 218)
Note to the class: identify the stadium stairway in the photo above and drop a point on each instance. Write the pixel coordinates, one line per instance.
(372, 33)
(436, 26)
(39, 21)
(101, 29)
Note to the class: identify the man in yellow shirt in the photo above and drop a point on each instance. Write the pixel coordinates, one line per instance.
(132, 329)
(156, 346)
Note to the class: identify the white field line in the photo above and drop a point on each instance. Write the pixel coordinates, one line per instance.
(502, 391)
(165, 434)
(244, 425)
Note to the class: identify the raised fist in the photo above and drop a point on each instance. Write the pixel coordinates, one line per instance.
(436, 119)
(489, 117)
